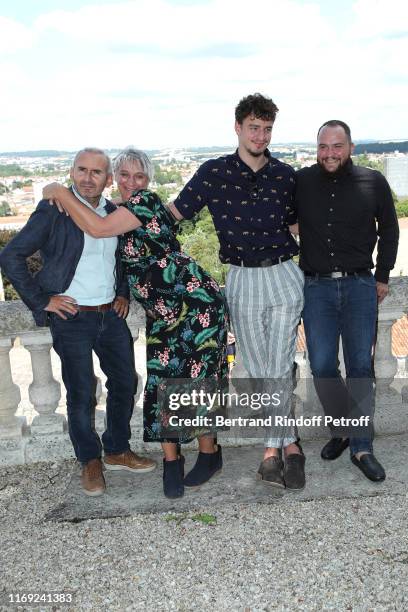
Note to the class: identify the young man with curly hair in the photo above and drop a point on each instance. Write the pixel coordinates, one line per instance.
(250, 195)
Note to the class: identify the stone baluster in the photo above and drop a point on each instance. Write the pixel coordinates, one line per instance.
(386, 365)
(2, 296)
(137, 418)
(44, 391)
(100, 395)
(389, 418)
(404, 390)
(11, 426)
(307, 402)
(137, 322)
(239, 383)
(100, 405)
(135, 336)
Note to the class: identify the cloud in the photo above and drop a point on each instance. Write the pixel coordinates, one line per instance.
(14, 36)
(157, 25)
(380, 18)
(159, 73)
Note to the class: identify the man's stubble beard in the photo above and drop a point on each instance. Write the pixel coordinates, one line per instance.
(342, 164)
(255, 153)
(92, 200)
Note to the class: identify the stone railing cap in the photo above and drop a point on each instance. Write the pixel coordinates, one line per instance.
(16, 318)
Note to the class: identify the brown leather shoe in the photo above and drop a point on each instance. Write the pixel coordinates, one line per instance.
(92, 480)
(294, 472)
(270, 472)
(129, 461)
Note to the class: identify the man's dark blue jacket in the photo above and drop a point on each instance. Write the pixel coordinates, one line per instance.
(60, 243)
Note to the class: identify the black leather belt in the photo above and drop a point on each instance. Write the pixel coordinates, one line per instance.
(100, 308)
(342, 274)
(260, 263)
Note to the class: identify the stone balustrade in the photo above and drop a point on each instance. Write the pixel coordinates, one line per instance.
(46, 436)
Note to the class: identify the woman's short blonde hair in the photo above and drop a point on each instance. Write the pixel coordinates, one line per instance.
(133, 155)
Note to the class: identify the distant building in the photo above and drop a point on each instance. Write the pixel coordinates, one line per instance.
(396, 172)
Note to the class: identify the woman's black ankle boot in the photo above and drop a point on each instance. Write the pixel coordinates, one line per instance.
(173, 471)
(206, 466)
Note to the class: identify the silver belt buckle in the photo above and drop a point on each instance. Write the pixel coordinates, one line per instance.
(337, 274)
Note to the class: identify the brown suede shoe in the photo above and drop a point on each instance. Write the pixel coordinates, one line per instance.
(92, 480)
(294, 472)
(130, 462)
(270, 472)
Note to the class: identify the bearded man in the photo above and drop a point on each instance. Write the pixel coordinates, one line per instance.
(342, 210)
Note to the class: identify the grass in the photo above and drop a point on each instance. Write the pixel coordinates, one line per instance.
(402, 208)
(203, 517)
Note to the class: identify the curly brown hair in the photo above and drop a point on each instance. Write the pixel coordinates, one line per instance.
(256, 105)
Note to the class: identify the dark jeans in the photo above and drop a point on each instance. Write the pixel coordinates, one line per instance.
(345, 307)
(109, 337)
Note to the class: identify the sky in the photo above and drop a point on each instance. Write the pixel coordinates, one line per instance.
(169, 73)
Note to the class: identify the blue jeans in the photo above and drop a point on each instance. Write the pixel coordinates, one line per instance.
(345, 307)
(109, 337)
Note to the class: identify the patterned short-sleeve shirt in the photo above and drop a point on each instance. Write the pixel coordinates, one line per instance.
(251, 210)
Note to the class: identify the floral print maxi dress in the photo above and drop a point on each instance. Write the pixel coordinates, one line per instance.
(186, 314)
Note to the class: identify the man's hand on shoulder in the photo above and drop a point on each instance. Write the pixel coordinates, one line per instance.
(61, 304)
(121, 306)
(382, 291)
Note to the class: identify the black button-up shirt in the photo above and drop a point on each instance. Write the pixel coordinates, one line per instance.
(251, 210)
(340, 216)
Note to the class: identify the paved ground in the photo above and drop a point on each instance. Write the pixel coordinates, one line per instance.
(129, 494)
(342, 544)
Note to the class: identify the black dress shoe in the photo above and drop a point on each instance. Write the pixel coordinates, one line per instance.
(334, 448)
(370, 467)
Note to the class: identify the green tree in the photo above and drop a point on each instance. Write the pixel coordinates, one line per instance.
(34, 264)
(204, 249)
(185, 228)
(13, 170)
(5, 210)
(20, 184)
(401, 207)
(115, 195)
(163, 193)
(363, 160)
(162, 177)
(199, 239)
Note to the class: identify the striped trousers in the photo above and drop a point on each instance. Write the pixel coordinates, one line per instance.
(265, 307)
